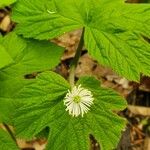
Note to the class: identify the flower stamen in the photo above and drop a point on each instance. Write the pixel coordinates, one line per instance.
(77, 99)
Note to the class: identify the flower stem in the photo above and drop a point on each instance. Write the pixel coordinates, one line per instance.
(10, 133)
(75, 60)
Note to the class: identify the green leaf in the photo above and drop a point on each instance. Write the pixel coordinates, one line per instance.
(10, 88)
(113, 37)
(48, 110)
(116, 39)
(28, 56)
(5, 58)
(51, 15)
(6, 142)
(44, 14)
(6, 2)
(46, 88)
(6, 110)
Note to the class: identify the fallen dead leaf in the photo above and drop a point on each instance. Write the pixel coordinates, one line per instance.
(139, 110)
(4, 25)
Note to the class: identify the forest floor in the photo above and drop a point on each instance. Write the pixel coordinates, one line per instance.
(137, 134)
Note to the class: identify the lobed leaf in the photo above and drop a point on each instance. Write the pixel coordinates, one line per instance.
(114, 30)
(48, 110)
(28, 56)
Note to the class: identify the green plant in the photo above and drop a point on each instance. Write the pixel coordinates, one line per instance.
(6, 2)
(113, 33)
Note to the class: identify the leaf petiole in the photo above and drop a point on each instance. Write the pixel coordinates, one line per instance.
(75, 60)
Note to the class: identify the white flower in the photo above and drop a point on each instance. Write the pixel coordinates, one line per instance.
(78, 101)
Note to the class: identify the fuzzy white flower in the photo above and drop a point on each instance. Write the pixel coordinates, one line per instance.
(78, 101)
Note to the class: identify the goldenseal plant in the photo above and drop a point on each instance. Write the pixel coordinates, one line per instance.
(67, 112)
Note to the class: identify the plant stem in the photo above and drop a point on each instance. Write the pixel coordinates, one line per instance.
(10, 132)
(75, 60)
